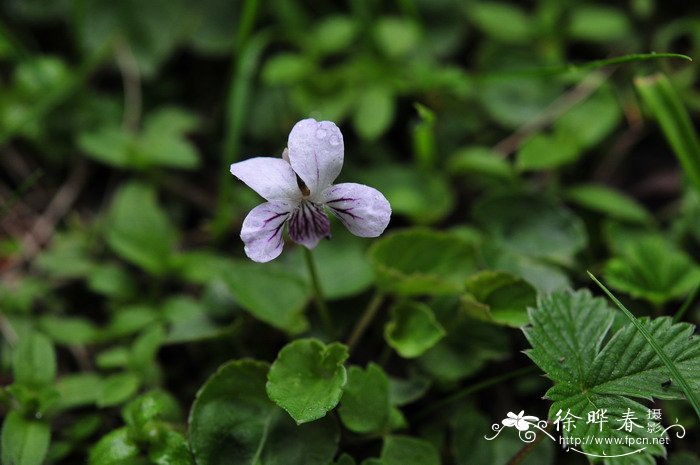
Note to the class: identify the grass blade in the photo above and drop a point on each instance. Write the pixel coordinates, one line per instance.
(666, 106)
(675, 373)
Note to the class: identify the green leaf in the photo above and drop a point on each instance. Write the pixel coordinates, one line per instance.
(307, 378)
(420, 262)
(24, 442)
(286, 69)
(163, 141)
(666, 106)
(609, 202)
(597, 23)
(412, 329)
(116, 448)
(374, 112)
(68, 256)
(138, 230)
(189, 321)
(345, 459)
(490, 17)
(154, 405)
(69, 330)
(404, 450)
(396, 36)
(423, 196)
(110, 145)
(364, 407)
(480, 161)
(78, 390)
(171, 448)
(653, 269)
(589, 122)
(34, 361)
(542, 152)
(270, 293)
(498, 297)
(117, 389)
(469, 425)
(334, 34)
(233, 422)
(591, 370)
(554, 233)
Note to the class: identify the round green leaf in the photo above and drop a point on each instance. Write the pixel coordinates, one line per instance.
(24, 442)
(499, 297)
(307, 378)
(404, 450)
(418, 262)
(364, 407)
(412, 329)
(233, 422)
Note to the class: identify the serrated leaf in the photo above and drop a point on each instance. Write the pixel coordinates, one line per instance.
(412, 329)
(233, 422)
(415, 262)
(567, 335)
(653, 269)
(307, 378)
(364, 407)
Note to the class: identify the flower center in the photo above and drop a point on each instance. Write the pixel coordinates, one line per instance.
(305, 191)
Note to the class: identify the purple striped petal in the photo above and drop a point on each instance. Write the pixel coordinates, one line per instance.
(316, 153)
(362, 209)
(262, 230)
(272, 178)
(308, 224)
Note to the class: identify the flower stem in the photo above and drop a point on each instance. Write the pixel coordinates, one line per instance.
(365, 320)
(321, 306)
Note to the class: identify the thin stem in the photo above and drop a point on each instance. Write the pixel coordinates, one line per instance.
(365, 320)
(321, 306)
(474, 388)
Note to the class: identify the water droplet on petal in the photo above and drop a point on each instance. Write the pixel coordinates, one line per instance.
(321, 134)
(334, 140)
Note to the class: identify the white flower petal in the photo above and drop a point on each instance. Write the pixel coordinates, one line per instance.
(262, 230)
(362, 209)
(522, 425)
(272, 178)
(308, 225)
(510, 422)
(316, 153)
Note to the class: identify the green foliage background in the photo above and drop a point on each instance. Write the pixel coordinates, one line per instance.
(135, 331)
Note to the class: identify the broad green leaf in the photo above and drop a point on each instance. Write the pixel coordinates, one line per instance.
(233, 422)
(396, 36)
(69, 330)
(468, 347)
(116, 448)
(68, 256)
(406, 391)
(189, 321)
(78, 390)
(117, 389)
(334, 34)
(110, 145)
(542, 152)
(154, 405)
(34, 361)
(609, 202)
(598, 23)
(24, 441)
(554, 233)
(171, 448)
(364, 407)
(374, 112)
(412, 329)
(498, 297)
(404, 450)
(112, 280)
(423, 196)
(653, 269)
(215, 25)
(286, 69)
(419, 262)
(145, 348)
(307, 378)
(490, 17)
(666, 107)
(591, 370)
(270, 293)
(343, 267)
(480, 161)
(138, 229)
(589, 122)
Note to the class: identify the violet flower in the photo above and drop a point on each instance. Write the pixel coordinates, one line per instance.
(298, 186)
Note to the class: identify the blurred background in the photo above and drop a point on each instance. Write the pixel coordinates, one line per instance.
(119, 219)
